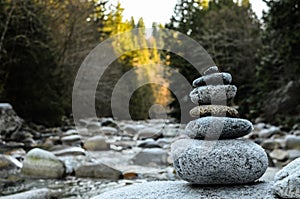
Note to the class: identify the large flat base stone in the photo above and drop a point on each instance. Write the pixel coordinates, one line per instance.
(184, 190)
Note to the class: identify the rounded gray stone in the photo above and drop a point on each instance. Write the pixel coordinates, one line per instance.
(39, 163)
(213, 79)
(183, 190)
(211, 70)
(218, 128)
(210, 94)
(219, 162)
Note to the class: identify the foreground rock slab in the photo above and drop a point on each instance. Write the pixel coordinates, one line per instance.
(287, 181)
(34, 194)
(180, 190)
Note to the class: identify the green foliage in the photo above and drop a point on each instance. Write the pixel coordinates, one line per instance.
(280, 58)
(279, 62)
(141, 61)
(28, 62)
(230, 34)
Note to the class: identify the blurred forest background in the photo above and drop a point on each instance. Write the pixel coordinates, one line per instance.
(44, 42)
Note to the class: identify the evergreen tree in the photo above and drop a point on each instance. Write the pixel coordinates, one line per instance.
(28, 63)
(229, 32)
(280, 62)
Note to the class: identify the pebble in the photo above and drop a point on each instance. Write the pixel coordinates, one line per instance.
(270, 144)
(98, 170)
(70, 151)
(292, 142)
(219, 94)
(97, 143)
(211, 70)
(71, 140)
(213, 79)
(107, 130)
(149, 132)
(267, 133)
(279, 154)
(148, 143)
(213, 110)
(218, 127)
(153, 156)
(293, 153)
(219, 162)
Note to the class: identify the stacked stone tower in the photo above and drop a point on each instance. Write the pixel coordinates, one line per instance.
(215, 152)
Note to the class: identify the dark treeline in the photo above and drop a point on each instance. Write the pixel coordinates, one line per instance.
(43, 43)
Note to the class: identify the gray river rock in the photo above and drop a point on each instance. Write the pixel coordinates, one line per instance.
(219, 162)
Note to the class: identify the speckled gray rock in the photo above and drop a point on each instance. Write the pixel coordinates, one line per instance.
(287, 180)
(219, 162)
(210, 94)
(183, 190)
(213, 79)
(213, 110)
(211, 70)
(218, 128)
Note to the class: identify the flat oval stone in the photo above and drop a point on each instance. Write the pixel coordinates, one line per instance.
(211, 70)
(219, 94)
(213, 110)
(218, 128)
(219, 162)
(213, 79)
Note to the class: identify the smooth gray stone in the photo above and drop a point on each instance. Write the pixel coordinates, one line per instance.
(213, 79)
(218, 128)
(39, 163)
(211, 70)
(287, 180)
(98, 170)
(219, 162)
(183, 190)
(210, 94)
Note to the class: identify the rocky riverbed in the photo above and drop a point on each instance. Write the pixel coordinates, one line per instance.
(104, 154)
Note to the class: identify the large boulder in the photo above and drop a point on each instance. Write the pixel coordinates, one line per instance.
(219, 162)
(9, 121)
(287, 181)
(39, 163)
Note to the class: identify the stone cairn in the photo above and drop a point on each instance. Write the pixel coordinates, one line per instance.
(214, 152)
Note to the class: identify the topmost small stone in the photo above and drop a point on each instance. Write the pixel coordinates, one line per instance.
(211, 70)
